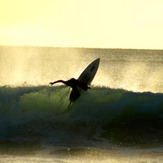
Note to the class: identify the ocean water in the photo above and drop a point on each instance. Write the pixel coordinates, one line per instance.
(120, 119)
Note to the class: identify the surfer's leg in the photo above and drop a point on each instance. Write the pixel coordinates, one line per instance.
(68, 108)
(75, 94)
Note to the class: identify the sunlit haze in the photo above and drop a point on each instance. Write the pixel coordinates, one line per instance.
(86, 23)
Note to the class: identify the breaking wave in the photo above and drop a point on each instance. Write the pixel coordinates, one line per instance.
(38, 114)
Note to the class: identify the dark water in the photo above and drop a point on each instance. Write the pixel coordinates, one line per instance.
(119, 119)
(120, 116)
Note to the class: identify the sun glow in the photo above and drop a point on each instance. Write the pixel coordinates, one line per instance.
(87, 23)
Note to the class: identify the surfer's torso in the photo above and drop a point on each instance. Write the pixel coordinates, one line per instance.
(73, 83)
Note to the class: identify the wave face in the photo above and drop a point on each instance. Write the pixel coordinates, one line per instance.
(36, 114)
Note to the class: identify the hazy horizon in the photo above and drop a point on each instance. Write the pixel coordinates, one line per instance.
(78, 47)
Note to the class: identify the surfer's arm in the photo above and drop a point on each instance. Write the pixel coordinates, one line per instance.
(58, 81)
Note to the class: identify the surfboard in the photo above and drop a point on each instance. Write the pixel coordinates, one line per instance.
(86, 76)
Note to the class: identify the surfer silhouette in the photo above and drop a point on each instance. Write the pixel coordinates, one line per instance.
(73, 83)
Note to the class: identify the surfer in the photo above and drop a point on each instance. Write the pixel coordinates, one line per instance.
(73, 83)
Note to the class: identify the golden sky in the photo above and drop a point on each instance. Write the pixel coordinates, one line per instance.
(82, 23)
